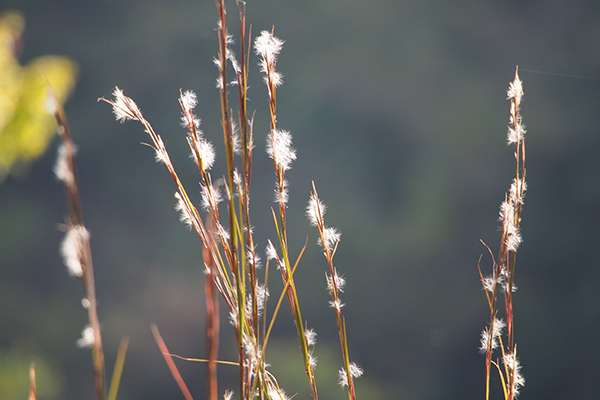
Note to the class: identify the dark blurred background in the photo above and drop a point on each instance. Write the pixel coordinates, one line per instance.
(399, 113)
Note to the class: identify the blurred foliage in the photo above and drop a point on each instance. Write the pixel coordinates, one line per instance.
(26, 125)
(14, 375)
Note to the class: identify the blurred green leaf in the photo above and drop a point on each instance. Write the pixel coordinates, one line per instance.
(26, 125)
(14, 375)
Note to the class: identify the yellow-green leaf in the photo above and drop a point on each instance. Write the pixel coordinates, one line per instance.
(26, 124)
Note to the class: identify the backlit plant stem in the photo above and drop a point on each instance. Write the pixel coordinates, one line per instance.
(503, 270)
(267, 47)
(67, 173)
(329, 239)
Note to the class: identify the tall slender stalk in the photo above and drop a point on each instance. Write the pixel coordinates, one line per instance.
(329, 238)
(268, 47)
(76, 246)
(212, 322)
(503, 270)
(230, 257)
(32, 383)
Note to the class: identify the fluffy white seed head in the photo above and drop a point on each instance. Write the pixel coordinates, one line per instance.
(61, 169)
(267, 47)
(506, 211)
(513, 239)
(315, 210)
(355, 372)
(186, 121)
(207, 153)
(251, 348)
(233, 319)
(517, 191)
(185, 214)
(499, 326)
(514, 368)
(515, 89)
(160, 152)
(516, 130)
(270, 251)
(340, 282)
(235, 65)
(235, 139)
(124, 107)
(484, 342)
(253, 258)
(505, 287)
(330, 238)
(490, 281)
(276, 78)
(211, 197)
(222, 232)
(87, 338)
(336, 305)
(311, 336)
(239, 185)
(492, 336)
(311, 340)
(515, 134)
(262, 295)
(279, 148)
(281, 192)
(71, 249)
(509, 225)
(229, 39)
(189, 100)
(276, 393)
